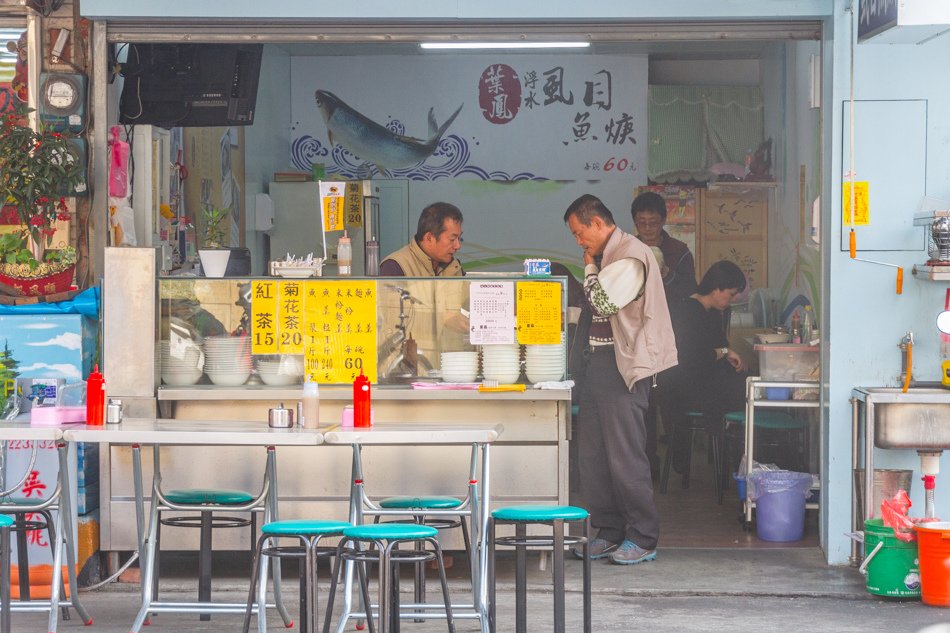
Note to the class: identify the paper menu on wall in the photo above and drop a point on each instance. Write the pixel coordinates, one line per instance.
(492, 308)
(539, 313)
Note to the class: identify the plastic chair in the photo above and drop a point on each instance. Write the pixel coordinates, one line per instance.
(690, 423)
(308, 533)
(521, 517)
(383, 540)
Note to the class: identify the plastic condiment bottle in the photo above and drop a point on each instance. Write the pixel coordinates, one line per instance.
(796, 327)
(95, 398)
(808, 325)
(311, 405)
(372, 258)
(344, 256)
(361, 402)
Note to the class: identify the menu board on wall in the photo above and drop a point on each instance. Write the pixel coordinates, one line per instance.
(538, 308)
(332, 323)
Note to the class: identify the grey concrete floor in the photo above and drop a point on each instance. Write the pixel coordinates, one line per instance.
(683, 590)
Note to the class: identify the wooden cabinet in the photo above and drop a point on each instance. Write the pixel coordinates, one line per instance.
(721, 221)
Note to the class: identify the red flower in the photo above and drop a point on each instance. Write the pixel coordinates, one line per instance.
(37, 220)
(65, 217)
(49, 232)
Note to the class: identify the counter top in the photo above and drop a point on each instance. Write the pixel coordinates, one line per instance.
(194, 433)
(415, 434)
(345, 393)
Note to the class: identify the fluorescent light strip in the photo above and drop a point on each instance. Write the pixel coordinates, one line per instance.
(489, 45)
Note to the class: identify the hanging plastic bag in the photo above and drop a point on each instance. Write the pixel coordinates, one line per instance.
(118, 165)
(894, 515)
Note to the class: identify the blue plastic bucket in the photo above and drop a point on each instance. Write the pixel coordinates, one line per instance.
(780, 505)
(740, 485)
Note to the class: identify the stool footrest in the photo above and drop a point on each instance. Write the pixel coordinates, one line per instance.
(537, 541)
(217, 521)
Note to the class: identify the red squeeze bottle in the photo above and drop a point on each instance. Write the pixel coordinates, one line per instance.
(95, 397)
(361, 401)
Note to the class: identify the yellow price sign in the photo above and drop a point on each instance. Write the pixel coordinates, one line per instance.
(538, 310)
(291, 311)
(354, 204)
(862, 212)
(264, 317)
(339, 330)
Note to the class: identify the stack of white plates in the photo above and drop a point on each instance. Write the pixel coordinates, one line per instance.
(544, 362)
(501, 362)
(459, 366)
(183, 366)
(280, 369)
(228, 359)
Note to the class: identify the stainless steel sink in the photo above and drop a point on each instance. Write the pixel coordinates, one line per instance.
(918, 419)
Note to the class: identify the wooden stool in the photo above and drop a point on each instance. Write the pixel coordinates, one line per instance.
(521, 517)
(308, 534)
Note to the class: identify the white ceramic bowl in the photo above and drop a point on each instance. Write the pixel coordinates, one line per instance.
(228, 378)
(181, 378)
(503, 377)
(458, 377)
(279, 380)
(543, 376)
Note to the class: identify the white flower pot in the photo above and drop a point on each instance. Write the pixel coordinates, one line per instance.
(214, 261)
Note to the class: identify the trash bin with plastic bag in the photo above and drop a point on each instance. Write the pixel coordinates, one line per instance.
(780, 504)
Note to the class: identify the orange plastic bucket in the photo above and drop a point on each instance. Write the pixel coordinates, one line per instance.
(933, 547)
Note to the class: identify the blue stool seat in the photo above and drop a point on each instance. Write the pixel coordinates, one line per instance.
(535, 513)
(422, 503)
(767, 419)
(306, 527)
(200, 496)
(5, 520)
(390, 531)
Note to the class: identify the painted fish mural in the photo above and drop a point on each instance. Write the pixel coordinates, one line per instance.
(371, 141)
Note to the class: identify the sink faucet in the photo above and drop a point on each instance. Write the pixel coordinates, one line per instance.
(907, 359)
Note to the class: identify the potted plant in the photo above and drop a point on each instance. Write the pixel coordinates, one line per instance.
(37, 169)
(214, 256)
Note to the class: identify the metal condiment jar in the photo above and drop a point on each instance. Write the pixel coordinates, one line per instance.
(114, 411)
(280, 417)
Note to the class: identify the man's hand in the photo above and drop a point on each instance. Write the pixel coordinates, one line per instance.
(588, 258)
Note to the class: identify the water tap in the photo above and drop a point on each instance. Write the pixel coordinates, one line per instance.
(907, 358)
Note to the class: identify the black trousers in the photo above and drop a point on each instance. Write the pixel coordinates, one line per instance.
(615, 472)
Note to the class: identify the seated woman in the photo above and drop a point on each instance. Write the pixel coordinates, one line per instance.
(710, 377)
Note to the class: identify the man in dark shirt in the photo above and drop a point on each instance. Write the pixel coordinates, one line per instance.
(679, 280)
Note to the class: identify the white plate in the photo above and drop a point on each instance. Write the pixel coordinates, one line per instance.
(296, 273)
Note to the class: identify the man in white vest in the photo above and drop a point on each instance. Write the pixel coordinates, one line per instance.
(630, 340)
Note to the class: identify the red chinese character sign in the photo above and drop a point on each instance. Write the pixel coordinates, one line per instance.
(499, 93)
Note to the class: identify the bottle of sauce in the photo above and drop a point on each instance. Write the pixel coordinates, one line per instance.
(372, 258)
(311, 405)
(361, 402)
(95, 398)
(344, 256)
(796, 327)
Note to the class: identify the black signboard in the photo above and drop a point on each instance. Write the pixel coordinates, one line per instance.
(875, 16)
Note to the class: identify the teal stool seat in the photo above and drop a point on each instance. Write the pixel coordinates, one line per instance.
(767, 419)
(426, 503)
(304, 526)
(390, 531)
(308, 533)
(540, 513)
(5, 520)
(200, 496)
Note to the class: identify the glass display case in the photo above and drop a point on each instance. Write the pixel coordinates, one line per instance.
(277, 332)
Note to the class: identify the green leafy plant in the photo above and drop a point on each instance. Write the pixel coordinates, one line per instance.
(37, 169)
(19, 259)
(214, 221)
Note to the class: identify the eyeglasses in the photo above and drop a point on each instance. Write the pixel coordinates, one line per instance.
(648, 223)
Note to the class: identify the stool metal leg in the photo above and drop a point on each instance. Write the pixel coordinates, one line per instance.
(587, 583)
(521, 580)
(255, 579)
(23, 559)
(204, 563)
(491, 574)
(445, 584)
(5, 580)
(558, 561)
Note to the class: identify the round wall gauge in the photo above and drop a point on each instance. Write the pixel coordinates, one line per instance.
(61, 94)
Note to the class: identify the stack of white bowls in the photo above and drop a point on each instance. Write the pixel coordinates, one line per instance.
(544, 362)
(228, 359)
(501, 362)
(280, 370)
(459, 366)
(184, 365)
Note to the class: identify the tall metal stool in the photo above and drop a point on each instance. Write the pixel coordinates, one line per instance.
(308, 534)
(205, 502)
(420, 508)
(383, 540)
(521, 517)
(691, 423)
(6, 521)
